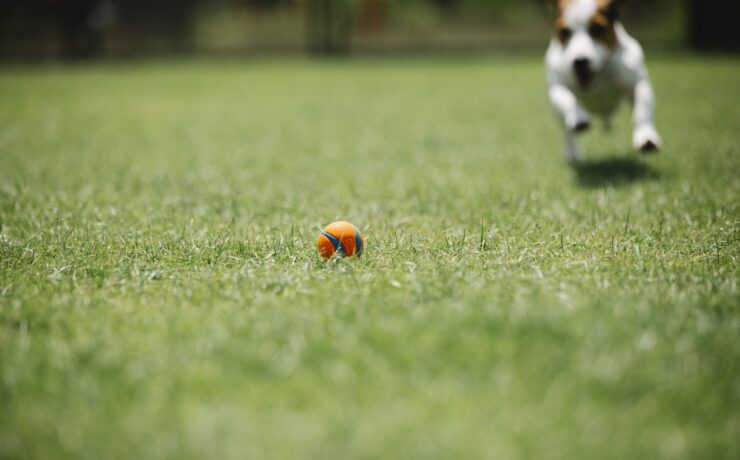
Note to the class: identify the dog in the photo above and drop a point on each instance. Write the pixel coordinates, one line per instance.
(592, 66)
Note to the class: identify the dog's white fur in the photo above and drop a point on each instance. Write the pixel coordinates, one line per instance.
(619, 74)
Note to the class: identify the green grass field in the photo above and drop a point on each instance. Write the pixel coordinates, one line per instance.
(161, 295)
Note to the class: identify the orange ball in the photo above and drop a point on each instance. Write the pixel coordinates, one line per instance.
(342, 238)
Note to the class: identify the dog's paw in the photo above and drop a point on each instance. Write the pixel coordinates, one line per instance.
(582, 126)
(578, 121)
(646, 139)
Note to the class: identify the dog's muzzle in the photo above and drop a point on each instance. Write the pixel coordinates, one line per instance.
(583, 71)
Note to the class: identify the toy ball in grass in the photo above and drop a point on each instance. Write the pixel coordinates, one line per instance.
(340, 238)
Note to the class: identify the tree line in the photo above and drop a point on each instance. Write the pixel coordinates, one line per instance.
(82, 28)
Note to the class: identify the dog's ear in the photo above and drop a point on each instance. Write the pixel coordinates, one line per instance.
(612, 9)
(553, 5)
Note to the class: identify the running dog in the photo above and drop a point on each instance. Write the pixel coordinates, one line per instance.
(592, 66)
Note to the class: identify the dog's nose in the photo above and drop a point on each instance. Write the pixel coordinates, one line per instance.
(582, 65)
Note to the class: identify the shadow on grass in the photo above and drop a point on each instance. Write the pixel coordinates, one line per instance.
(614, 171)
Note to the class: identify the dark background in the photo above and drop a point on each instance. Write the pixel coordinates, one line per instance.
(85, 29)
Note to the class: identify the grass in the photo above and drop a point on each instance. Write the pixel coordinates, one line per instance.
(161, 295)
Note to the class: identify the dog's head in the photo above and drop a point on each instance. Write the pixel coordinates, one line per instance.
(585, 30)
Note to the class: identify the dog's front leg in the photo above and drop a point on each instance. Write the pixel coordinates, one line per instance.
(645, 137)
(575, 119)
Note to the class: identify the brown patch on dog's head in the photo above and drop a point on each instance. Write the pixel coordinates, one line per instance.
(610, 8)
(601, 26)
(562, 31)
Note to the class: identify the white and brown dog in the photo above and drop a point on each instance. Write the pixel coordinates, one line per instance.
(592, 66)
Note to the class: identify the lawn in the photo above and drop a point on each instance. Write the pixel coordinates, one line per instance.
(161, 295)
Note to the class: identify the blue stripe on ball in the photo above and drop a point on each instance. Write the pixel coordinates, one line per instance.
(358, 241)
(334, 241)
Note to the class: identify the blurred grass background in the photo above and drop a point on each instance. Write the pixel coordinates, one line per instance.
(161, 296)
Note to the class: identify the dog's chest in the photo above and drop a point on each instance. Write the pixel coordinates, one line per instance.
(604, 99)
(606, 96)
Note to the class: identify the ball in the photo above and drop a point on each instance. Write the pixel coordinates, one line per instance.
(340, 238)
